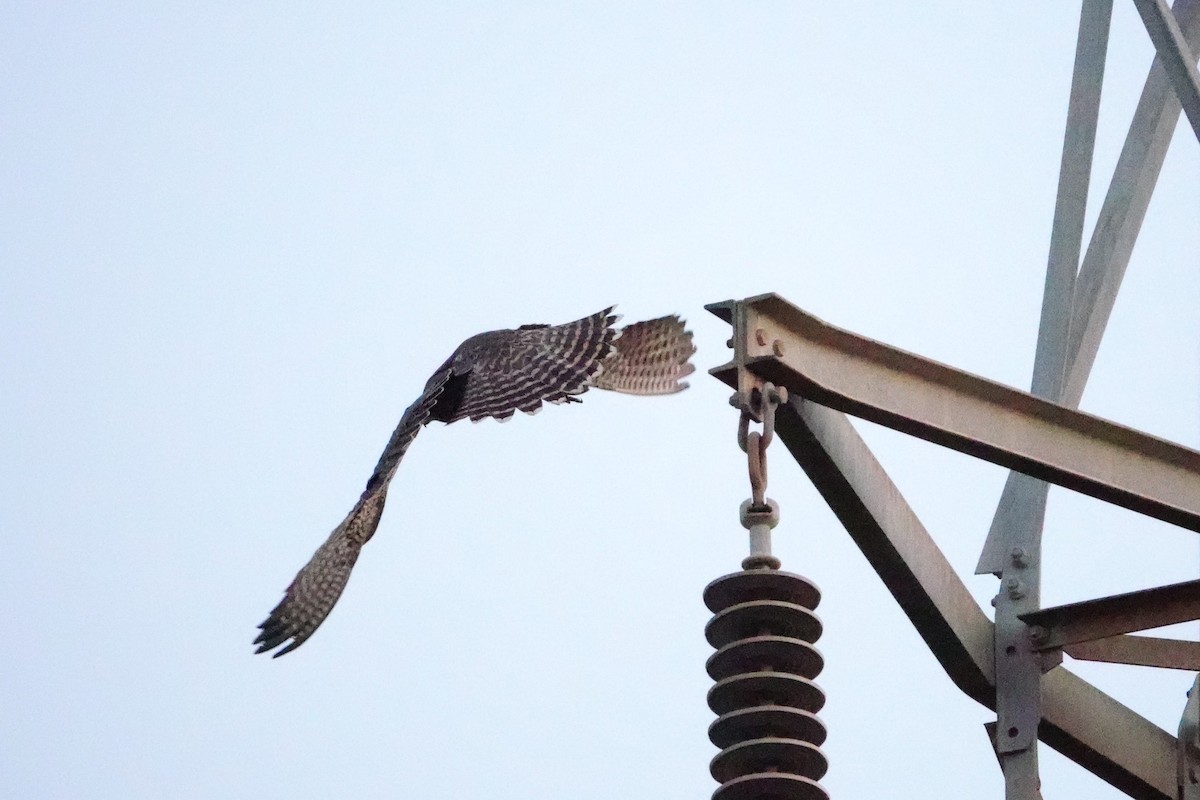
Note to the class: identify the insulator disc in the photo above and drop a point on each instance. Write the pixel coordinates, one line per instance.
(769, 755)
(765, 689)
(762, 618)
(762, 653)
(761, 584)
(771, 786)
(760, 722)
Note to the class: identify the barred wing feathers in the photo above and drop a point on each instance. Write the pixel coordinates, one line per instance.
(502, 372)
(493, 374)
(316, 588)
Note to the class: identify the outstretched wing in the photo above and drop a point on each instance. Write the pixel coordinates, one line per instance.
(317, 587)
(499, 373)
(650, 357)
(493, 374)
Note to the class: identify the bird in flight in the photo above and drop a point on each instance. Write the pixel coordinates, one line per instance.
(493, 374)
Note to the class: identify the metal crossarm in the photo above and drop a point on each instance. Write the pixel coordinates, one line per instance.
(965, 412)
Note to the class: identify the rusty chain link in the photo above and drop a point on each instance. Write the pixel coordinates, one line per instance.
(761, 403)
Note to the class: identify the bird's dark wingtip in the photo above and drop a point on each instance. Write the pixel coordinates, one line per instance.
(272, 633)
(273, 642)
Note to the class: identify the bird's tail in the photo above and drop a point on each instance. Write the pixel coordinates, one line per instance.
(650, 357)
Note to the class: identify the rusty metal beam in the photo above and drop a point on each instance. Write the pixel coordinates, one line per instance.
(1106, 737)
(1078, 720)
(887, 530)
(1143, 651)
(962, 411)
(1116, 614)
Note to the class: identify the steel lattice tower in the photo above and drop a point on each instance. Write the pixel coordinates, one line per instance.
(1010, 660)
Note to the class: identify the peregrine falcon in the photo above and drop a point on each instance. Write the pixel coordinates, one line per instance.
(493, 374)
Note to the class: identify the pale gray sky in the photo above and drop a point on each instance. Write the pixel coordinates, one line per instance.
(237, 239)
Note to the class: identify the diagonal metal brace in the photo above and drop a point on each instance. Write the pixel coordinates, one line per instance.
(1174, 54)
